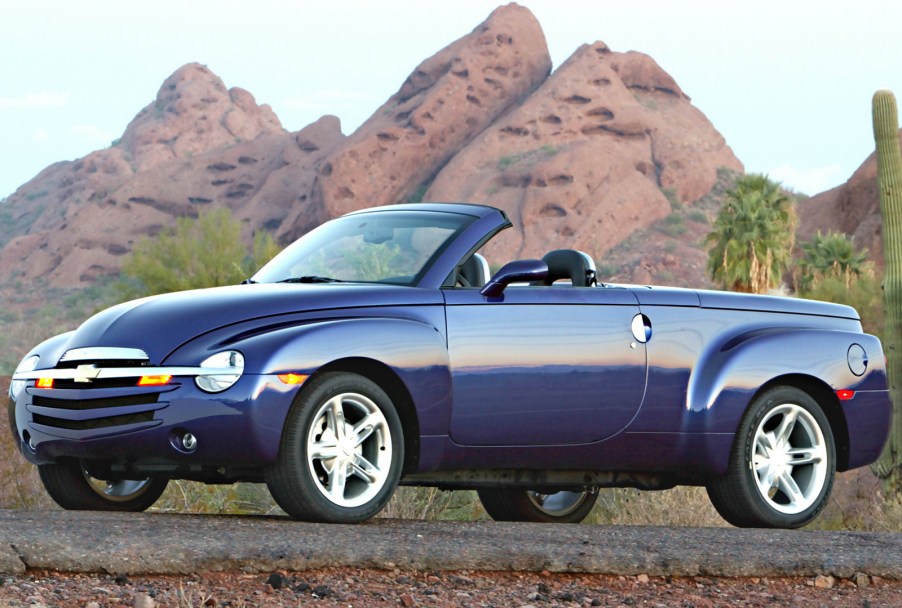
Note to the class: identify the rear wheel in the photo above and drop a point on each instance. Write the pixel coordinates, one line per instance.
(782, 464)
(71, 486)
(508, 504)
(342, 451)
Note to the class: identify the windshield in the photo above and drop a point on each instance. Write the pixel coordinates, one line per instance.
(395, 247)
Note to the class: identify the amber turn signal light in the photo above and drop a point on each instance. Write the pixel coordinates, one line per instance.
(44, 383)
(154, 380)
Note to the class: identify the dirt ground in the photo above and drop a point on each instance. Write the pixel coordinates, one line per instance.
(349, 587)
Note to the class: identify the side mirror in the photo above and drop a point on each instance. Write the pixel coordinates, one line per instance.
(514, 272)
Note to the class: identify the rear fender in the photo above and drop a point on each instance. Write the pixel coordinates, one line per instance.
(728, 377)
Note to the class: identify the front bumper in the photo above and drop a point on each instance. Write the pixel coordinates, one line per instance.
(138, 428)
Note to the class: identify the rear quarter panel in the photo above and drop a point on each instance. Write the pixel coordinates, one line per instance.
(707, 364)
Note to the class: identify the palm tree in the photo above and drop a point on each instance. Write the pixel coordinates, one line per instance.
(832, 255)
(750, 246)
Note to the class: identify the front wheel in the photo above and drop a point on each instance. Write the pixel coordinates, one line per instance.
(508, 504)
(72, 487)
(782, 465)
(342, 451)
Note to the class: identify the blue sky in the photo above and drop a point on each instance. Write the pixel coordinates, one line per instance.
(788, 83)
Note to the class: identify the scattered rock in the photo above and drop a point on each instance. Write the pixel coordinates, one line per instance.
(824, 582)
(142, 600)
(862, 580)
(277, 581)
(642, 578)
(407, 601)
(322, 591)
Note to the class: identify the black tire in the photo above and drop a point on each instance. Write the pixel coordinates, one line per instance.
(509, 504)
(777, 493)
(310, 486)
(71, 487)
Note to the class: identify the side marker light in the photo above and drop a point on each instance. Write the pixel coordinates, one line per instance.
(293, 378)
(845, 394)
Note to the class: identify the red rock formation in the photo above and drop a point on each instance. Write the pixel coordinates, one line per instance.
(196, 146)
(852, 208)
(447, 100)
(590, 156)
(579, 159)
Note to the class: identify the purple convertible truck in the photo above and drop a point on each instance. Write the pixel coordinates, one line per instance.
(378, 350)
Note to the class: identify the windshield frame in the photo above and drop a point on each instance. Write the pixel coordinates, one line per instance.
(275, 271)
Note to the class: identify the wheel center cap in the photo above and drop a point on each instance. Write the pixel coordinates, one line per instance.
(347, 447)
(781, 458)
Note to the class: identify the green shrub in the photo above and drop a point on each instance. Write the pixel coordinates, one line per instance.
(206, 252)
(865, 295)
(832, 256)
(674, 225)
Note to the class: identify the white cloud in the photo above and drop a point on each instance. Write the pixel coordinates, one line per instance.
(40, 134)
(810, 181)
(93, 134)
(35, 100)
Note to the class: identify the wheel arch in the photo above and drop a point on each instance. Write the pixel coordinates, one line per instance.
(826, 398)
(389, 381)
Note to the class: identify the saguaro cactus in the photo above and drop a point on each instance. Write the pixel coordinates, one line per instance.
(889, 180)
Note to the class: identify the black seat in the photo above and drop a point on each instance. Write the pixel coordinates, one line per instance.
(474, 272)
(577, 266)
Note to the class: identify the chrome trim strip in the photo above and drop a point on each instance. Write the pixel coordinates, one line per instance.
(86, 373)
(104, 353)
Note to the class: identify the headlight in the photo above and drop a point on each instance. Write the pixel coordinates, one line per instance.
(28, 364)
(219, 382)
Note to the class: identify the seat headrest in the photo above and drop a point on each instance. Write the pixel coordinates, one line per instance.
(577, 266)
(475, 271)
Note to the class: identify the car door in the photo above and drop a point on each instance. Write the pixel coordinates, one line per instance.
(543, 365)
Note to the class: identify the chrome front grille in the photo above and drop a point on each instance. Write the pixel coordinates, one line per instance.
(103, 353)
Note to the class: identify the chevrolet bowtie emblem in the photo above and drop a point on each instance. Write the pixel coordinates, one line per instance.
(86, 373)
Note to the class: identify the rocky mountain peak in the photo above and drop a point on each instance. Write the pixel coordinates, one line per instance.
(194, 112)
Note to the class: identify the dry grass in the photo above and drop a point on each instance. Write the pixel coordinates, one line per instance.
(681, 506)
(434, 504)
(237, 498)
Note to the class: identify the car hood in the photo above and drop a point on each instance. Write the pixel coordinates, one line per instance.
(159, 324)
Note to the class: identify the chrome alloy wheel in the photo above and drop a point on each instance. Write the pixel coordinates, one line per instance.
(558, 504)
(789, 459)
(349, 449)
(119, 490)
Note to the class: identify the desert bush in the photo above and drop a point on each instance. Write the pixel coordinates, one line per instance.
(197, 253)
(864, 294)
